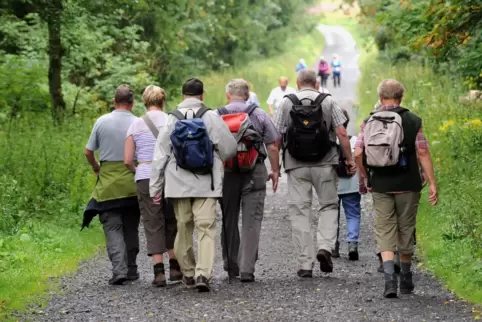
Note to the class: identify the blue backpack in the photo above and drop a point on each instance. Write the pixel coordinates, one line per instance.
(191, 144)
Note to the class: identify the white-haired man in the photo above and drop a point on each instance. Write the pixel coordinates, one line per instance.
(246, 190)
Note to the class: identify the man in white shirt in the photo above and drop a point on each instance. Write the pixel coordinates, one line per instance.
(277, 94)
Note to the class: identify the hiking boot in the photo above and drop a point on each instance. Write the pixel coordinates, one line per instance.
(159, 275)
(232, 273)
(336, 251)
(305, 273)
(247, 277)
(132, 275)
(175, 274)
(188, 281)
(353, 251)
(202, 284)
(118, 280)
(324, 257)
(391, 286)
(406, 283)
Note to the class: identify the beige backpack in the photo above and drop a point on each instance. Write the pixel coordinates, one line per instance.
(383, 134)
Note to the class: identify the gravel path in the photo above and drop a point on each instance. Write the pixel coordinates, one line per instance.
(352, 293)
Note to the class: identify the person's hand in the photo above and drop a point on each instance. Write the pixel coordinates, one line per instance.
(157, 199)
(274, 177)
(433, 194)
(96, 169)
(362, 188)
(351, 167)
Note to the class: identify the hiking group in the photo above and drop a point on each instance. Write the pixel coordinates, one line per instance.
(171, 170)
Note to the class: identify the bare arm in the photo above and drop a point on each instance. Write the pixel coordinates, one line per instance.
(90, 156)
(270, 109)
(129, 151)
(425, 160)
(344, 142)
(359, 163)
(273, 155)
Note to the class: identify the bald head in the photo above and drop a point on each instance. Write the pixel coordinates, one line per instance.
(307, 78)
(390, 91)
(283, 82)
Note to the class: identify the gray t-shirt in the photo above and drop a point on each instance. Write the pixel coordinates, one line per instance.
(109, 134)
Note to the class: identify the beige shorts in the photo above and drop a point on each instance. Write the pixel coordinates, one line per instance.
(395, 220)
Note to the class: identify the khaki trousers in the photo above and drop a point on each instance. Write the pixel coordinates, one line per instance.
(395, 220)
(199, 213)
(300, 192)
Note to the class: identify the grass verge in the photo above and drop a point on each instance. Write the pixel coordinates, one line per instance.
(47, 183)
(449, 235)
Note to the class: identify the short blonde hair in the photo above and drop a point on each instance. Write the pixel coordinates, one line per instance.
(154, 96)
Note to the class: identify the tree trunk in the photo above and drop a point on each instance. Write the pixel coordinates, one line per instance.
(53, 13)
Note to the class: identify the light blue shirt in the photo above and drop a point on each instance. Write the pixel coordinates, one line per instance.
(109, 135)
(349, 185)
(253, 99)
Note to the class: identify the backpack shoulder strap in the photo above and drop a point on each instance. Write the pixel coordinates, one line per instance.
(400, 110)
(222, 110)
(177, 114)
(294, 99)
(202, 111)
(320, 98)
(251, 109)
(150, 125)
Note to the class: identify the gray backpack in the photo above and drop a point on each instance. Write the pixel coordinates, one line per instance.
(383, 135)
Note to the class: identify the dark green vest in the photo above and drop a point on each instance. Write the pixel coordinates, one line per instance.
(395, 179)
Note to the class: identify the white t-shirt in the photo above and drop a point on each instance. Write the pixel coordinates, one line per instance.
(145, 141)
(323, 90)
(277, 94)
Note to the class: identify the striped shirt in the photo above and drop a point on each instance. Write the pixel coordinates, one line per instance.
(145, 142)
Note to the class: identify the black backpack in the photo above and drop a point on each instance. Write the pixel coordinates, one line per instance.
(307, 138)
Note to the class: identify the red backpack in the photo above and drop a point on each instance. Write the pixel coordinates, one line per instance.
(248, 139)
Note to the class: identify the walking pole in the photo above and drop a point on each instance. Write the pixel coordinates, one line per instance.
(225, 240)
(337, 244)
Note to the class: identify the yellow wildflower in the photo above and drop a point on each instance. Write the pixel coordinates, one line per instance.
(446, 125)
(476, 122)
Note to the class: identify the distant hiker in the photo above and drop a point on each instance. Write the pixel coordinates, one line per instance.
(114, 197)
(158, 220)
(392, 172)
(277, 94)
(336, 67)
(321, 89)
(350, 198)
(301, 65)
(245, 179)
(253, 99)
(323, 71)
(310, 122)
(188, 167)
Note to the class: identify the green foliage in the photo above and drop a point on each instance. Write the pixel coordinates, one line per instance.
(450, 234)
(448, 33)
(147, 42)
